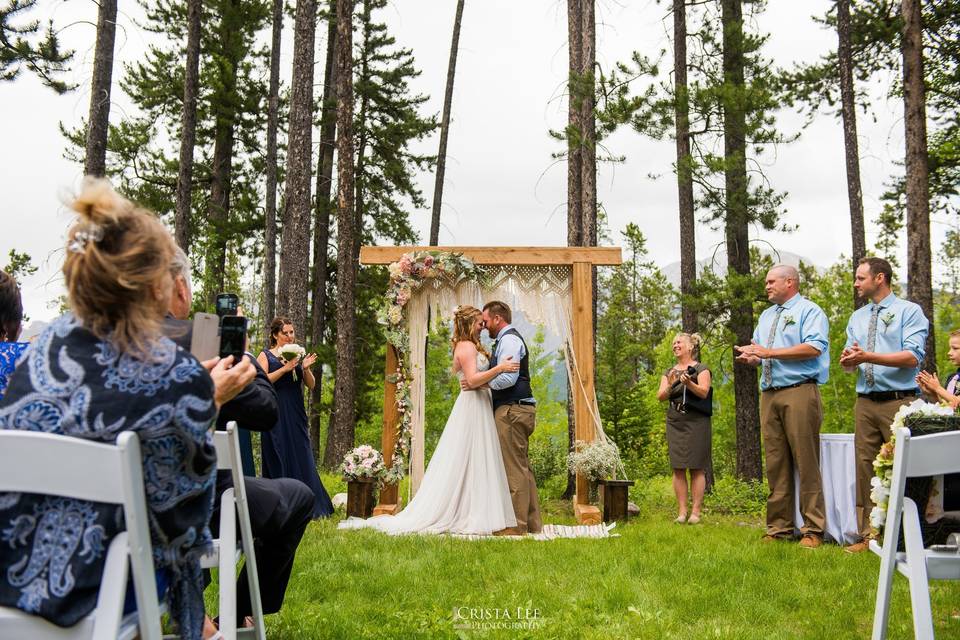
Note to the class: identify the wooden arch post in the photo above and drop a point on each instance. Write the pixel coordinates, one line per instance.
(581, 260)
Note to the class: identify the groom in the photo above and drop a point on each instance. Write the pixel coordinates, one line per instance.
(515, 412)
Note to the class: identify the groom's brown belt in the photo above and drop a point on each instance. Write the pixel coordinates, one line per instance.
(887, 396)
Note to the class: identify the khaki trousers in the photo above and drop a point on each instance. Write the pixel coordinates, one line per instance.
(515, 424)
(790, 424)
(871, 429)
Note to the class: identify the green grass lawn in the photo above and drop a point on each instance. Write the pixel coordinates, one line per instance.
(657, 580)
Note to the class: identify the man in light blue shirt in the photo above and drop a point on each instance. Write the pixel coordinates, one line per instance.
(885, 346)
(791, 346)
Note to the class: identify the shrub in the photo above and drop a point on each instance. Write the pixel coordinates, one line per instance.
(738, 497)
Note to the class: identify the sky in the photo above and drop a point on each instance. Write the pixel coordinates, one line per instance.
(502, 185)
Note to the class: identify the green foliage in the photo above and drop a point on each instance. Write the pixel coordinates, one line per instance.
(733, 496)
(21, 47)
(19, 266)
(441, 385)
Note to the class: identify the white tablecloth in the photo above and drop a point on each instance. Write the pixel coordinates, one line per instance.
(837, 467)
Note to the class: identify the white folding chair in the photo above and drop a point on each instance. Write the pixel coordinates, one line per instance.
(922, 456)
(225, 554)
(97, 472)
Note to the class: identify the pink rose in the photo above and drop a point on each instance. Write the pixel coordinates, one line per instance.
(428, 261)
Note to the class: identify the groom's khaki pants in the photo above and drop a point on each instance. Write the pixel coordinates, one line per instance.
(515, 424)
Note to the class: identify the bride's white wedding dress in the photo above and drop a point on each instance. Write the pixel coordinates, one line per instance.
(464, 489)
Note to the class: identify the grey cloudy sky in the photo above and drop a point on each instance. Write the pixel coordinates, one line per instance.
(502, 186)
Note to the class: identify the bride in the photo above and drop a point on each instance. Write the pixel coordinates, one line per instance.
(465, 488)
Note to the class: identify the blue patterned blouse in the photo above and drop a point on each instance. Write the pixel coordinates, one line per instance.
(10, 355)
(52, 549)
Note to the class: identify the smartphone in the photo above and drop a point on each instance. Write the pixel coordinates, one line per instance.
(227, 304)
(233, 337)
(204, 339)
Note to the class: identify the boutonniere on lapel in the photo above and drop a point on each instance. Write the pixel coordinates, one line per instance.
(887, 319)
(787, 321)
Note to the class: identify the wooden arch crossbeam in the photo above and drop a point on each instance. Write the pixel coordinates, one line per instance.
(581, 260)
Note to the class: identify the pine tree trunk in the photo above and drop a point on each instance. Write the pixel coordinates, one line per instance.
(188, 139)
(295, 234)
(850, 143)
(574, 179)
(225, 114)
(588, 159)
(321, 225)
(343, 421)
(270, 225)
(445, 128)
(737, 239)
(98, 122)
(919, 279)
(688, 248)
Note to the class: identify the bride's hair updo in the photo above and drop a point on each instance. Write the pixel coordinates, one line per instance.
(116, 259)
(463, 319)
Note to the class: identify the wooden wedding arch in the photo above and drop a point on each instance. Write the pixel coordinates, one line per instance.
(581, 261)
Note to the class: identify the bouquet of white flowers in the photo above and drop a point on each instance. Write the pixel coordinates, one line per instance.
(597, 460)
(290, 352)
(362, 462)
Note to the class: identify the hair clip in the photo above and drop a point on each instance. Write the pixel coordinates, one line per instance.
(92, 233)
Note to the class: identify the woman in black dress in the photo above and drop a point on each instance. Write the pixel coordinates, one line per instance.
(686, 386)
(286, 448)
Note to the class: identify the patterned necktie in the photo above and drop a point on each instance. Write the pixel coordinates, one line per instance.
(871, 344)
(768, 363)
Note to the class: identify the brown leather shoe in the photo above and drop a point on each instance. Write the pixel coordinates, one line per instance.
(510, 531)
(771, 538)
(811, 541)
(858, 547)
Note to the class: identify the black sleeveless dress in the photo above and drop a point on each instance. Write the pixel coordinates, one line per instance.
(286, 448)
(688, 432)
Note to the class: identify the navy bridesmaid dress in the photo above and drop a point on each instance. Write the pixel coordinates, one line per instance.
(286, 448)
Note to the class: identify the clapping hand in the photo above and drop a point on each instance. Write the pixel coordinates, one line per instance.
(853, 356)
(750, 354)
(928, 382)
(309, 360)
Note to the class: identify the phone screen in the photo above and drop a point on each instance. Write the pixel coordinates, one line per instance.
(227, 304)
(233, 337)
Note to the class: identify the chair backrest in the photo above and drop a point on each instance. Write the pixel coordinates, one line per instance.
(931, 455)
(93, 471)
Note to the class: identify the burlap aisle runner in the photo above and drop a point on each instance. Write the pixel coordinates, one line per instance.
(553, 532)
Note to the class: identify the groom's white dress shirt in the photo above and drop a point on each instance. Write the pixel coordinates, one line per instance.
(507, 346)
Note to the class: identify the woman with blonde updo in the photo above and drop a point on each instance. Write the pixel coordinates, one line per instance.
(97, 371)
(464, 489)
(686, 386)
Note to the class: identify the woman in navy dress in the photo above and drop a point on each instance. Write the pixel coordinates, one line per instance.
(286, 448)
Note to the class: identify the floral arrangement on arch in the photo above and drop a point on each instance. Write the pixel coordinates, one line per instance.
(883, 464)
(596, 460)
(410, 273)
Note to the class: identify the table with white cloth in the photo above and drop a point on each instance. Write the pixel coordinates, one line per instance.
(838, 470)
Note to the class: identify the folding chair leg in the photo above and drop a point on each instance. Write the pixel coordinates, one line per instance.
(888, 563)
(228, 566)
(917, 568)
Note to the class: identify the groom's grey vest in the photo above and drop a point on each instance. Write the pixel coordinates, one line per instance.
(521, 390)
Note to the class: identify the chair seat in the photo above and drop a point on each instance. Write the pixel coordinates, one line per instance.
(941, 565)
(19, 624)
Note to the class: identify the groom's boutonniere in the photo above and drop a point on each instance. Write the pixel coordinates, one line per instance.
(787, 321)
(887, 319)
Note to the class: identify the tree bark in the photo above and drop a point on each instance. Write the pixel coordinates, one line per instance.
(850, 144)
(445, 128)
(737, 239)
(270, 225)
(919, 277)
(188, 134)
(574, 178)
(588, 149)
(688, 247)
(321, 224)
(295, 234)
(98, 122)
(343, 421)
(225, 114)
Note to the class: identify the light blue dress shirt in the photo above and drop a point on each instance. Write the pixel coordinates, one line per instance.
(507, 345)
(901, 326)
(801, 322)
